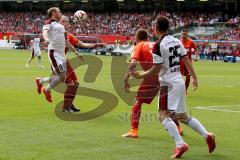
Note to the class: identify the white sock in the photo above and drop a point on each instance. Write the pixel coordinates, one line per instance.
(48, 88)
(197, 126)
(53, 82)
(171, 127)
(44, 80)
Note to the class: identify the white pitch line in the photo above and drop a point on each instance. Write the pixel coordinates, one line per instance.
(216, 108)
(205, 76)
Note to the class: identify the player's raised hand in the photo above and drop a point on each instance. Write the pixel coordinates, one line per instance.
(195, 84)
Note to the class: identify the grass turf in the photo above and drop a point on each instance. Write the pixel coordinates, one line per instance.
(30, 130)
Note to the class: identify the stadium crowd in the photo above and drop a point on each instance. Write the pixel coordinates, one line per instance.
(111, 23)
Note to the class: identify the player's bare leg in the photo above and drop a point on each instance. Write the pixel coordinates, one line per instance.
(171, 128)
(29, 61)
(198, 127)
(40, 62)
(53, 82)
(175, 120)
(135, 117)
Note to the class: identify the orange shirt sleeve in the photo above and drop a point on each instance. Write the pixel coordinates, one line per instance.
(193, 44)
(136, 52)
(72, 39)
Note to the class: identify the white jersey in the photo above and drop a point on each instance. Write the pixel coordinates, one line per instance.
(168, 51)
(56, 36)
(36, 43)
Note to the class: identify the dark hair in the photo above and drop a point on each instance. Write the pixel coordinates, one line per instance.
(51, 10)
(162, 24)
(141, 34)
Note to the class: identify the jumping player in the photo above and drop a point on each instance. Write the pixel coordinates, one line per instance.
(191, 48)
(55, 35)
(71, 80)
(36, 51)
(167, 53)
(149, 87)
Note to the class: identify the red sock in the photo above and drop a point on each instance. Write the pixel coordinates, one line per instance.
(69, 95)
(136, 114)
(187, 82)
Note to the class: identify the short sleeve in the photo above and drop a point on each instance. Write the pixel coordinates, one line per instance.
(46, 27)
(157, 55)
(136, 52)
(194, 45)
(72, 39)
(183, 51)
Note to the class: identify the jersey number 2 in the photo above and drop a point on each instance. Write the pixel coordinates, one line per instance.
(174, 59)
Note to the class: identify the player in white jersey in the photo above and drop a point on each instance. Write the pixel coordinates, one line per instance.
(54, 35)
(36, 51)
(167, 53)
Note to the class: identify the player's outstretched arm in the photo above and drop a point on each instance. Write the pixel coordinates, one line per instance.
(190, 69)
(89, 45)
(151, 72)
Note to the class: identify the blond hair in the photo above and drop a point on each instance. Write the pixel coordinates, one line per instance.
(51, 10)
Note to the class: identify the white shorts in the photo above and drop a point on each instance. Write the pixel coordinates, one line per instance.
(36, 52)
(58, 61)
(172, 98)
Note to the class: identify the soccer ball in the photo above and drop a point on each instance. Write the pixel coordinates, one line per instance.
(80, 15)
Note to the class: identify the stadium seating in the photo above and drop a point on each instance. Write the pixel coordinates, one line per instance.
(108, 23)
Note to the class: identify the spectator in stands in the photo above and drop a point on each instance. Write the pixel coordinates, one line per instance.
(114, 23)
(227, 51)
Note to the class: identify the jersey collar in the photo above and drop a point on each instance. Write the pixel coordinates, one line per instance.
(53, 20)
(160, 39)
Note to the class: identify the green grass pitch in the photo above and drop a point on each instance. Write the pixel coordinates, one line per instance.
(29, 129)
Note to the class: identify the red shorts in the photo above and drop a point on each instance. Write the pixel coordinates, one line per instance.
(184, 70)
(148, 89)
(71, 76)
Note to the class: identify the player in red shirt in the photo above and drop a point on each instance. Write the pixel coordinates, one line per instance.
(149, 87)
(191, 48)
(71, 80)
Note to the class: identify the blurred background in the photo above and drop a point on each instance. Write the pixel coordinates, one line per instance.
(211, 23)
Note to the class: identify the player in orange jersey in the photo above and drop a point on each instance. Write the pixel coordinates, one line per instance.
(149, 87)
(191, 48)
